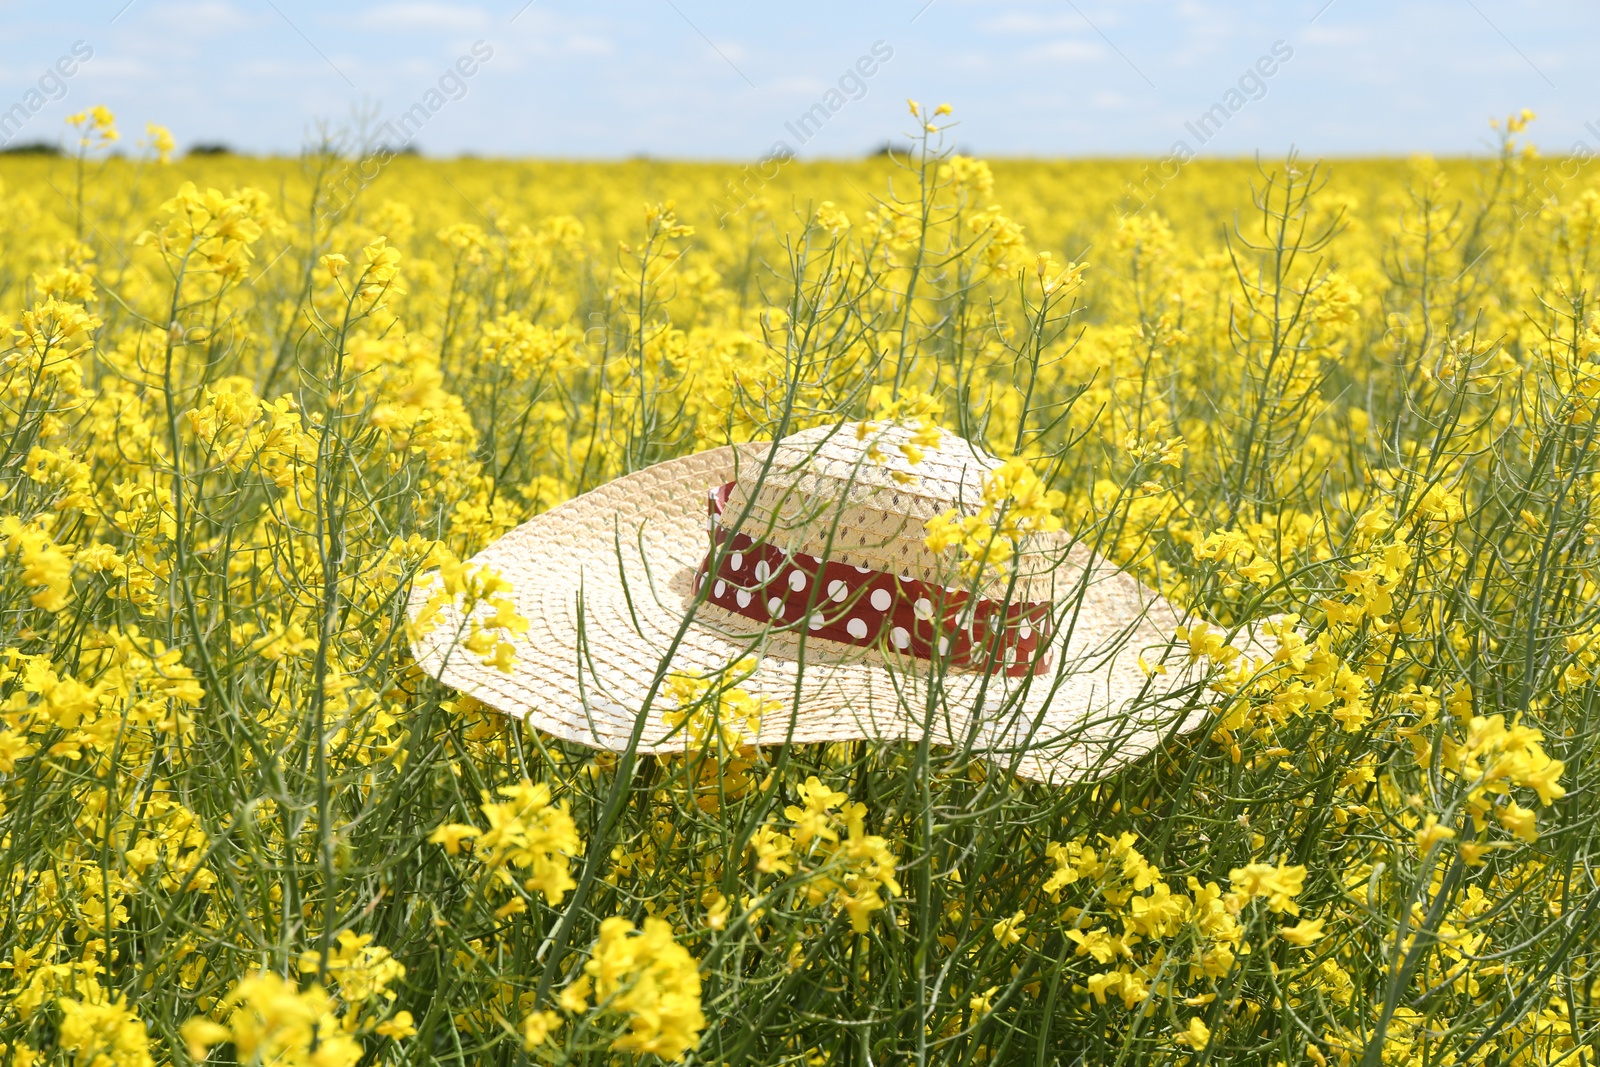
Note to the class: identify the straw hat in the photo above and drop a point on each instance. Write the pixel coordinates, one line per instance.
(808, 557)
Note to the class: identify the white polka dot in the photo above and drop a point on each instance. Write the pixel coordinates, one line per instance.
(737, 562)
(856, 629)
(775, 607)
(862, 570)
(881, 599)
(815, 622)
(718, 589)
(763, 571)
(743, 597)
(923, 608)
(904, 577)
(944, 646)
(797, 580)
(837, 590)
(900, 637)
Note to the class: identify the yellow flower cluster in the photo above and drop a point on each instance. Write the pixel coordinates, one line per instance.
(648, 980)
(100, 1030)
(919, 411)
(529, 843)
(1494, 758)
(712, 709)
(267, 1018)
(211, 233)
(852, 873)
(470, 588)
(45, 567)
(97, 127)
(272, 1020)
(1016, 504)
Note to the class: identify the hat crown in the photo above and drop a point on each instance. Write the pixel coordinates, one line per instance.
(872, 463)
(852, 493)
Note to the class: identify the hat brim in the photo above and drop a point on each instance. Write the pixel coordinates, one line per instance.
(606, 581)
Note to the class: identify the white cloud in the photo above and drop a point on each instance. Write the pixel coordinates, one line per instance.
(411, 15)
(202, 17)
(547, 34)
(587, 44)
(1024, 23)
(1333, 35)
(124, 67)
(285, 70)
(807, 86)
(1065, 51)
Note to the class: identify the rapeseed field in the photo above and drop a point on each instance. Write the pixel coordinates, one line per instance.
(246, 403)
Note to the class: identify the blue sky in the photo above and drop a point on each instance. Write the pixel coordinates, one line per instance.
(697, 79)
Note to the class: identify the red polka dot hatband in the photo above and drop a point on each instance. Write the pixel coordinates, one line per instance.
(856, 605)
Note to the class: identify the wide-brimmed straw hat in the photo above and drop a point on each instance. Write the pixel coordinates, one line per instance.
(806, 563)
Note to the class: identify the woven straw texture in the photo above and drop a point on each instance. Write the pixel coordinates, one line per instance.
(606, 581)
(823, 495)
